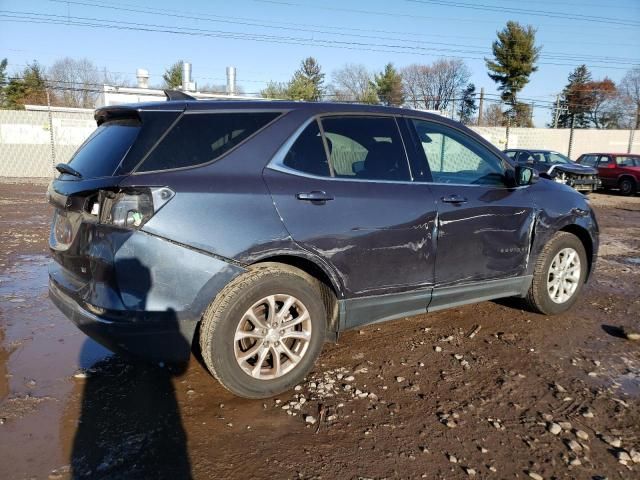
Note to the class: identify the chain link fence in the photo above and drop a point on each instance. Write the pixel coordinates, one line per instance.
(32, 142)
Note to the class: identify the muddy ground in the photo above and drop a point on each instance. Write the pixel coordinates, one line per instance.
(411, 398)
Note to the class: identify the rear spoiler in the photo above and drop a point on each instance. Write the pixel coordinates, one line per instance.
(178, 95)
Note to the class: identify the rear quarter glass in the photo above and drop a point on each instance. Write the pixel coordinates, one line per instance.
(102, 152)
(199, 138)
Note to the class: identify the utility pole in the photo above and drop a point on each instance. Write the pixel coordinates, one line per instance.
(557, 113)
(531, 114)
(51, 135)
(481, 106)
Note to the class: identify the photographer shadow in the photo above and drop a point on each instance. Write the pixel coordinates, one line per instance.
(130, 424)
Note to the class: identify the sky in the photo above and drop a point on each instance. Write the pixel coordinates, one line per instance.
(266, 39)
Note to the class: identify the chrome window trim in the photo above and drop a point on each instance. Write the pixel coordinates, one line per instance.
(277, 161)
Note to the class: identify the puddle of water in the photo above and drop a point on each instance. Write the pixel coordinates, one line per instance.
(633, 260)
(40, 349)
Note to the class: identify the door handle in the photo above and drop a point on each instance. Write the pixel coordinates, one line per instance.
(454, 199)
(315, 196)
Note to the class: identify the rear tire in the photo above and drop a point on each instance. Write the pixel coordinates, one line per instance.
(627, 186)
(264, 331)
(559, 274)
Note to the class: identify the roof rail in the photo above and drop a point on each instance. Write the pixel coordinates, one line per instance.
(177, 95)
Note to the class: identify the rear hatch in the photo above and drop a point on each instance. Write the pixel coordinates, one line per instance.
(87, 199)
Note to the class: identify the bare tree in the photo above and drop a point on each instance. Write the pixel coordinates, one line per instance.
(493, 116)
(77, 82)
(353, 83)
(432, 87)
(630, 89)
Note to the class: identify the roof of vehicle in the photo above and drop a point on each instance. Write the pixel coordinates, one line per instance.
(613, 154)
(536, 150)
(311, 107)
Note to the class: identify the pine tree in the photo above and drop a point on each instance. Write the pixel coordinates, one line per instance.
(308, 81)
(172, 76)
(28, 89)
(515, 55)
(388, 86)
(576, 99)
(468, 105)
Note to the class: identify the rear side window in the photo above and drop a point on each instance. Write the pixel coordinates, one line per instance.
(628, 161)
(102, 152)
(366, 148)
(199, 138)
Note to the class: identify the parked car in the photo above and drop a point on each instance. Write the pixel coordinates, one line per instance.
(558, 167)
(616, 170)
(258, 230)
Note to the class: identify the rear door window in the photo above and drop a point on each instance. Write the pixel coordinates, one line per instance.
(307, 154)
(200, 138)
(102, 152)
(367, 148)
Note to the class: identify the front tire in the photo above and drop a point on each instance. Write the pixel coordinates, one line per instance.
(559, 274)
(264, 331)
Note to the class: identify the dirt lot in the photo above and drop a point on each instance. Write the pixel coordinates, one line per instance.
(558, 397)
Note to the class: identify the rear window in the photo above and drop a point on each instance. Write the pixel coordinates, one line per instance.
(200, 138)
(102, 152)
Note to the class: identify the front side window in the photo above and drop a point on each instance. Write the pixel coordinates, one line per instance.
(368, 148)
(604, 161)
(200, 138)
(455, 158)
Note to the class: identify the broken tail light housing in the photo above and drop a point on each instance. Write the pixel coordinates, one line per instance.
(131, 208)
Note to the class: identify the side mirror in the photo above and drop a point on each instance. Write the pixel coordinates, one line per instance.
(525, 175)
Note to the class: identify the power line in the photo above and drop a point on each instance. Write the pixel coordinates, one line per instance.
(380, 13)
(92, 22)
(526, 11)
(313, 29)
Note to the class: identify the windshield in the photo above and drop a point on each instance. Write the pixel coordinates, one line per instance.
(102, 152)
(551, 157)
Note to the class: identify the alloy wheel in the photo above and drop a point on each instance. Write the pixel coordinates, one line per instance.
(272, 337)
(564, 275)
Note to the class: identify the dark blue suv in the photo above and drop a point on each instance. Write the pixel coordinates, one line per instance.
(258, 230)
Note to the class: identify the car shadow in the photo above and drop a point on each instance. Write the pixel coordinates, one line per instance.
(130, 425)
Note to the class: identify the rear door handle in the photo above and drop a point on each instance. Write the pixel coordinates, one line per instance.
(315, 196)
(454, 199)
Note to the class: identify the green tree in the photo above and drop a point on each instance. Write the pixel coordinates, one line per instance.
(515, 54)
(388, 86)
(28, 89)
(172, 76)
(302, 88)
(307, 82)
(575, 100)
(468, 104)
(275, 90)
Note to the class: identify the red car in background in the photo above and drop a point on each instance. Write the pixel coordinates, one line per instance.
(616, 170)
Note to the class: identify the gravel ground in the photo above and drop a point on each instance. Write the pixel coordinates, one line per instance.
(482, 391)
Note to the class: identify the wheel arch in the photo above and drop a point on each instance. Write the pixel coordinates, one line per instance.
(628, 176)
(331, 289)
(584, 237)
